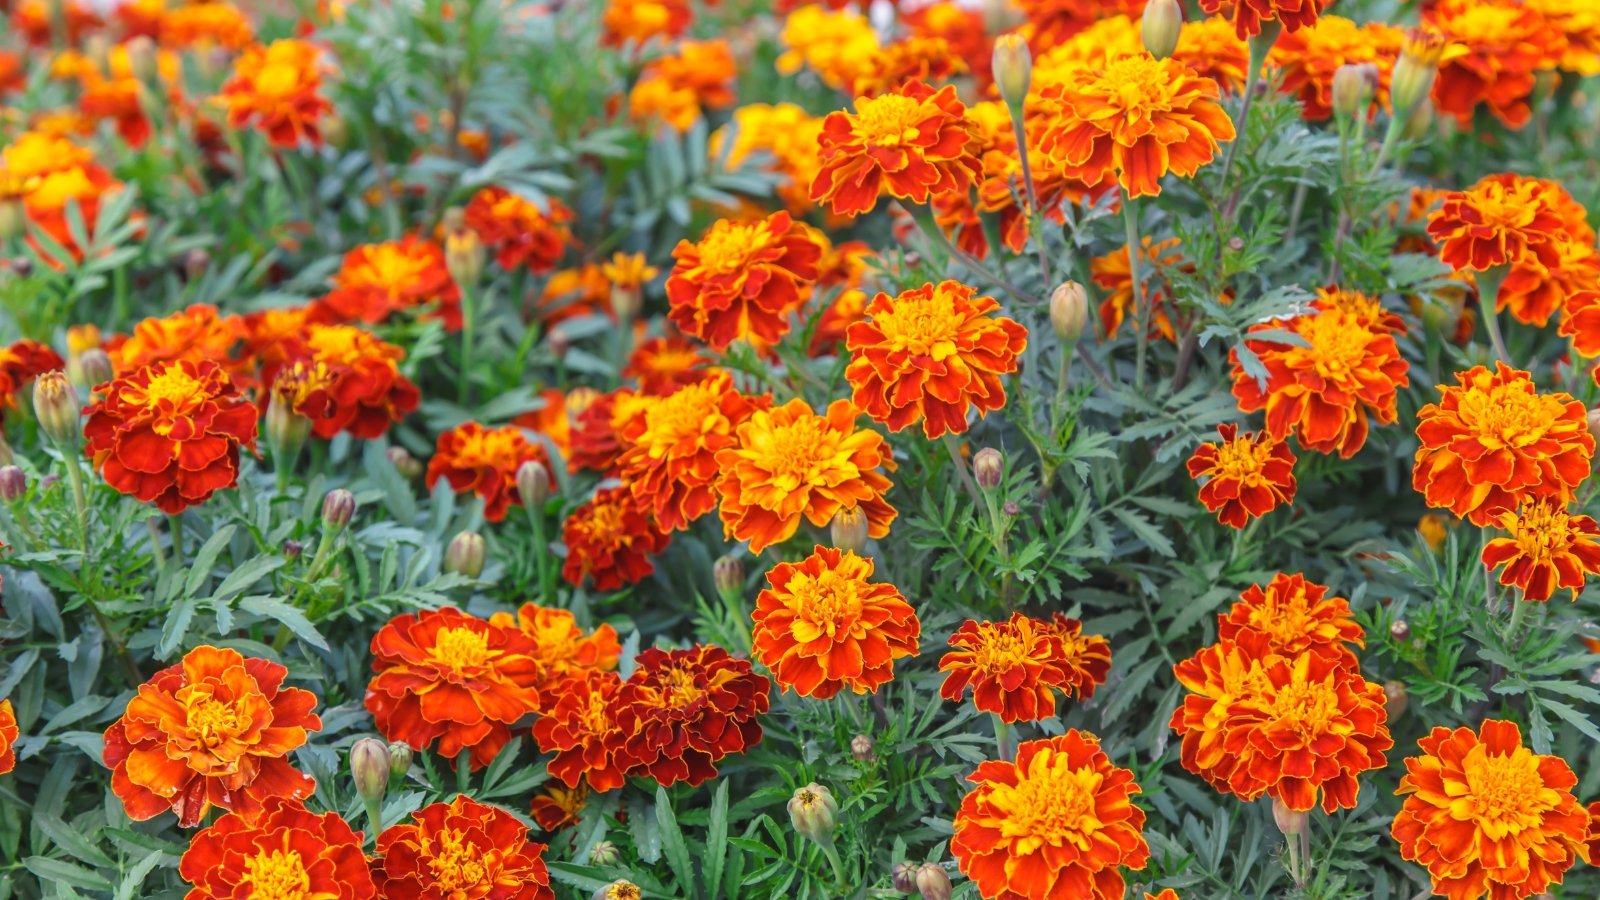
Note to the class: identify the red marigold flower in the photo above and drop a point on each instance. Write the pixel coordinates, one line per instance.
(285, 850)
(1059, 821)
(1502, 219)
(1326, 391)
(677, 87)
(823, 626)
(1052, 22)
(1580, 320)
(1166, 894)
(1246, 477)
(1215, 678)
(214, 730)
(671, 447)
(215, 24)
(1294, 616)
(662, 365)
(446, 676)
(1486, 816)
(375, 281)
(522, 232)
(931, 353)
(911, 144)
(1549, 548)
(1497, 48)
(485, 461)
(788, 463)
(559, 807)
(349, 381)
(741, 280)
(597, 430)
(170, 433)
(1249, 14)
(1309, 57)
(581, 729)
(611, 539)
(197, 334)
(461, 849)
(1533, 292)
(22, 362)
(9, 732)
(276, 88)
(1493, 442)
(559, 646)
(1013, 665)
(684, 710)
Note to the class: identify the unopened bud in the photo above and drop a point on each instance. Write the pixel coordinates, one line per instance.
(369, 766)
(904, 876)
(1290, 822)
(533, 485)
(849, 529)
(195, 264)
(1353, 87)
(1420, 123)
(293, 548)
(1011, 508)
(1013, 68)
(862, 749)
(90, 369)
(988, 467)
(1395, 698)
(1400, 630)
(605, 853)
(13, 483)
(22, 267)
(1416, 69)
(813, 812)
(55, 404)
(334, 129)
(1161, 27)
(286, 428)
(621, 889)
(409, 467)
(13, 222)
(399, 758)
(1069, 311)
(464, 256)
(728, 573)
(464, 555)
(933, 882)
(337, 508)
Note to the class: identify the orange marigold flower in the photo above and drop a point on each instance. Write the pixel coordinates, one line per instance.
(789, 462)
(911, 144)
(284, 850)
(637, 21)
(662, 365)
(170, 433)
(1369, 310)
(913, 58)
(485, 461)
(741, 280)
(1549, 548)
(375, 281)
(1249, 14)
(684, 710)
(1580, 320)
(22, 362)
(350, 381)
(196, 334)
(1308, 59)
(1052, 22)
(1294, 616)
(206, 24)
(1215, 677)
(461, 849)
(559, 646)
(832, 44)
(677, 87)
(1486, 816)
(213, 730)
(610, 539)
(597, 430)
(277, 89)
(559, 807)
(822, 626)
(1326, 391)
(1502, 219)
(1112, 274)
(1134, 121)
(444, 675)
(1014, 666)
(1166, 894)
(930, 354)
(1533, 292)
(1493, 442)
(581, 729)
(1059, 821)
(1212, 47)
(1579, 21)
(8, 736)
(1498, 49)
(670, 460)
(523, 232)
(1246, 477)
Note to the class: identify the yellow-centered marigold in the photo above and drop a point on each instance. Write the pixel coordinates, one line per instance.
(1547, 548)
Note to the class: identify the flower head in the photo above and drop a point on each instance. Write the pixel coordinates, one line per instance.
(670, 461)
(1294, 616)
(522, 232)
(1248, 15)
(1059, 821)
(1113, 275)
(741, 280)
(682, 711)
(1246, 476)
(22, 362)
(559, 807)
(1309, 57)
(787, 134)
(822, 626)
(1502, 219)
(348, 381)
(376, 281)
(1547, 548)
(214, 730)
(1215, 677)
(461, 850)
(1496, 50)
(277, 89)
(661, 365)
(581, 729)
(1014, 667)
(610, 539)
(559, 646)
(286, 852)
(9, 733)
(597, 429)
(832, 44)
(911, 144)
(484, 461)
(678, 87)
(637, 21)
(197, 334)
(1486, 816)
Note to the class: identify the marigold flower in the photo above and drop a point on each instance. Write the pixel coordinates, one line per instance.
(1486, 816)
(196, 334)
(741, 280)
(206, 24)
(1533, 293)
(276, 89)
(1215, 677)
(597, 428)
(832, 44)
(1058, 821)
(684, 710)
(670, 459)
(375, 281)
(559, 807)
(581, 729)
(213, 730)
(1248, 15)
(1367, 309)
(461, 849)
(484, 461)
(913, 58)
(610, 539)
(930, 354)
(170, 433)
(522, 232)
(911, 144)
(1580, 23)
(22, 362)
(1052, 22)
(285, 850)
(1294, 616)
(1012, 666)
(1134, 121)
(1309, 57)
(1111, 273)
(661, 365)
(1493, 442)
(1580, 320)
(822, 626)
(676, 88)
(637, 21)
(559, 646)
(1497, 49)
(349, 381)
(1502, 219)
(1548, 548)
(1246, 477)
(9, 732)
(1325, 392)
(446, 676)
(789, 462)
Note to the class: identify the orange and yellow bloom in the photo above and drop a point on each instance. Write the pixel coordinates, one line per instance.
(741, 280)
(1294, 615)
(22, 362)
(682, 711)
(1495, 51)
(1248, 15)
(521, 232)
(1548, 548)
(581, 729)
(610, 540)
(1245, 476)
(277, 89)
(670, 460)
(377, 281)
(1015, 667)
(1503, 219)
(911, 144)
(458, 850)
(9, 732)
(485, 461)
(285, 849)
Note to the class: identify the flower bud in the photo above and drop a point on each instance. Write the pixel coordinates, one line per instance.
(90, 369)
(988, 467)
(933, 882)
(464, 555)
(21, 267)
(195, 264)
(337, 508)
(621, 889)
(862, 748)
(7, 457)
(13, 483)
(1420, 123)
(13, 222)
(1161, 26)
(1416, 69)
(369, 766)
(464, 253)
(812, 812)
(1069, 311)
(1353, 87)
(1400, 630)
(1013, 68)
(849, 529)
(1011, 508)
(605, 853)
(1434, 530)
(1289, 821)
(533, 485)
(292, 549)
(286, 429)
(409, 467)
(142, 60)
(56, 405)
(904, 876)
(399, 758)
(728, 573)
(1395, 698)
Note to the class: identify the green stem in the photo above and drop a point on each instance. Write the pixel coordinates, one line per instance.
(1141, 306)
(175, 522)
(1305, 855)
(375, 817)
(1260, 46)
(1002, 738)
(467, 315)
(833, 860)
(1488, 303)
(541, 552)
(1063, 379)
(1293, 843)
(953, 447)
(155, 543)
(1519, 611)
(1020, 129)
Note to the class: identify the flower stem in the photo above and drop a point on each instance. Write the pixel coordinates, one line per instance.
(953, 447)
(375, 817)
(1519, 611)
(1304, 877)
(832, 854)
(175, 523)
(1002, 738)
(1488, 303)
(1141, 306)
(1020, 129)
(541, 552)
(467, 316)
(1260, 46)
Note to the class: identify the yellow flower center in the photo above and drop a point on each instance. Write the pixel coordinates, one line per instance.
(1052, 804)
(623, 890)
(679, 688)
(1503, 794)
(213, 721)
(682, 417)
(1509, 415)
(803, 452)
(1542, 531)
(388, 266)
(729, 246)
(824, 605)
(277, 79)
(1286, 618)
(999, 650)
(1305, 708)
(605, 520)
(924, 328)
(52, 191)
(596, 716)
(1134, 84)
(1243, 460)
(889, 120)
(458, 866)
(461, 649)
(277, 875)
(495, 449)
(173, 391)
(1338, 345)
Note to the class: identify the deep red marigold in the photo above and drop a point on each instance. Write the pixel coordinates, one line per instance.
(1294, 615)
(444, 675)
(9, 732)
(213, 730)
(559, 807)
(1014, 667)
(822, 625)
(1246, 477)
(741, 280)
(610, 539)
(22, 362)
(376, 281)
(581, 729)
(1057, 822)
(559, 646)
(911, 144)
(670, 459)
(348, 381)
(1548, 548)
(285, 852)
(277, 89)
(597, 430)
(684, 710)
(461, 850)
(522, 233)
(1249, 14)
(485, 461)
(1486, 816)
